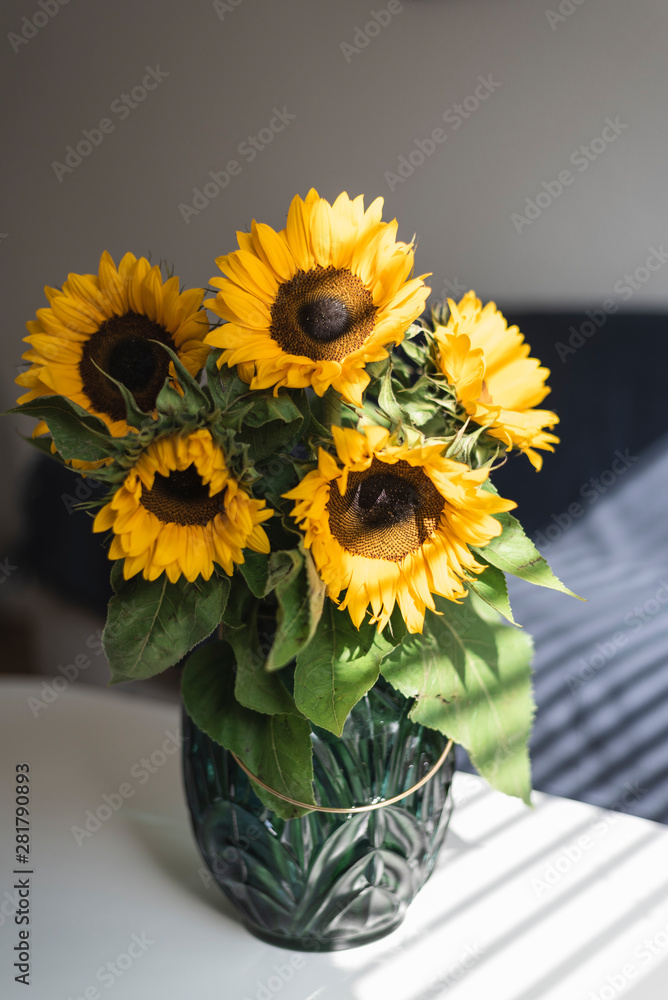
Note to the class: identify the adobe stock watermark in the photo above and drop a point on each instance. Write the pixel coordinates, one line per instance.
(282, 974)
(634, 620)
(248, 149)
(121, 107)
(223, 7)
(453, 289)
(563, 862)
(232, 855)
(6, 569)
(16, 903)
(362, 36)
(31, 26)
(625, 287)
(649, 949)
(565, 9)
(591, 491)
(111, 802)
(109, 973)
(582, 158)
(51, 690)
(83, 490)
(469, 958)
(455, 116)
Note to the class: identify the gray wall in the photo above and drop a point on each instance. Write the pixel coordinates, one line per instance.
(555, 79)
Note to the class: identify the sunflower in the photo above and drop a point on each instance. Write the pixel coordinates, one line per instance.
(179, 511)
(494, 378)
(316, 302)
(393, 524)
(109, 321)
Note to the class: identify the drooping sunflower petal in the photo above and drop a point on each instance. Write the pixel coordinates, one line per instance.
(165, 517)
(494, 379)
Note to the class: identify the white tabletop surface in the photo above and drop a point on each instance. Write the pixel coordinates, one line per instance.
(562, 902)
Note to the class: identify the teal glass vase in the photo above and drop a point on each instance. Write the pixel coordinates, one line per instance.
(326, 881)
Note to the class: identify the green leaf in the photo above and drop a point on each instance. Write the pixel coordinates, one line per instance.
(262, 573)
(276, 475)
(255, 570)
(386, 399)
(255, 687)
(376, 369)
(223, 383)
(170, 402)
(491, 586)
(417, 401)
(416, 352)
(235, 611)
(267, 408)
(151, 625)
(514, 553)
(43, 444)
(300, 594)
(133, 415)
(272, 427)
(471, 678)
(75, 432)
(275, 748)
(337, 668)
(414, 331)
(314, 429)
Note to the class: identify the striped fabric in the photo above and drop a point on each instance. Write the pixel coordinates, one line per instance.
(601, 667)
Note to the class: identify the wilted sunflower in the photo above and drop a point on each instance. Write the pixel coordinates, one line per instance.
(316, 302)
(179, 511)
(110, 320)
(494, 378)
(393, 524)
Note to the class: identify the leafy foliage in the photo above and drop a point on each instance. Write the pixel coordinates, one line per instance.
(275, 748)
(245, 631)
(468, 673)
(514, 553)
(151, 625)
(337, 668)
(76, 434)
(492, 588)
(471, 679)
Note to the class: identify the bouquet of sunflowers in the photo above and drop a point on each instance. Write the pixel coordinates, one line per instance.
(319, 505)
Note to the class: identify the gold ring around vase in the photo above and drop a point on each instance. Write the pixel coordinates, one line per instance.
(349, 809)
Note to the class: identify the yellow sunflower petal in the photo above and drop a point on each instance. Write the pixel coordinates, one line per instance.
(92, 318)
(494, 379)
(169, 525)
(319, 300)
(399, 528)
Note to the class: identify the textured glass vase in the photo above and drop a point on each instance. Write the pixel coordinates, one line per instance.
(326, 881)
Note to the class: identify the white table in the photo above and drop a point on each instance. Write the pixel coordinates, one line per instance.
(563, 902)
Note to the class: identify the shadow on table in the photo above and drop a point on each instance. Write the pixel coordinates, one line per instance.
(171, 845)
(545, 980)
(168, 843)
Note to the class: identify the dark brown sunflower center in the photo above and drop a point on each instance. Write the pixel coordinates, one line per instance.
(323, 314)
(182, 498)
(123, 348)
(324, 319)
(386, 512)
